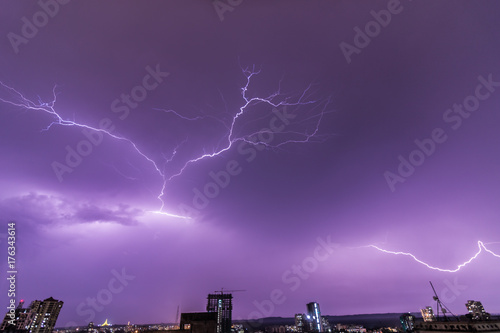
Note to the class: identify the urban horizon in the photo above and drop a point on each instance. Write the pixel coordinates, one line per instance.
(108, 321)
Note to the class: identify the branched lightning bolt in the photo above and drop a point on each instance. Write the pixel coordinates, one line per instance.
(274, 100)
(480, 244)
(22, 102)
(248, 102)
(179, 115)
(25, 103)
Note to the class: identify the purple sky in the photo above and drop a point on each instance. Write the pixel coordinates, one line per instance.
(360, 112)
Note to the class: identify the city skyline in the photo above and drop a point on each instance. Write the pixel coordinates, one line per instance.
(41, 316)
(344, 153)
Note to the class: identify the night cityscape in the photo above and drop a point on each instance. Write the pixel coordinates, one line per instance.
(41, 317)
(250, 166)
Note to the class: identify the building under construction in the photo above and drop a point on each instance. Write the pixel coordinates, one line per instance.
(222, 304)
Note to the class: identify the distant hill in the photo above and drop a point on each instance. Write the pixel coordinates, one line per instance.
(369, 321)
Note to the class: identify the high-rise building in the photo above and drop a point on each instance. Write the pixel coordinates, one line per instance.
(46, 316)
(408, 322)
(39, 317)
(223, 305)
(476, 310)
(314, 317)
(300, 323)
(428, 314)
(21, 318)
(326, 325)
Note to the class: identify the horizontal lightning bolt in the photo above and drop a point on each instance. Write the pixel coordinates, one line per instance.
(481, 247)
(489, 251)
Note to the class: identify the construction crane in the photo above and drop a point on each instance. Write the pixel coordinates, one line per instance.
(440, 307)
(227, 291)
